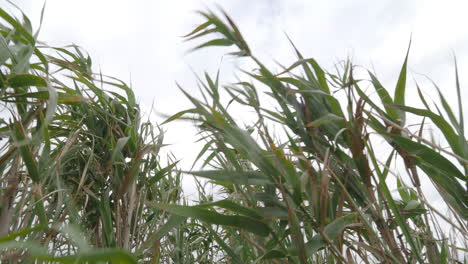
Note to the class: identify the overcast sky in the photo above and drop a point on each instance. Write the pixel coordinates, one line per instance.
(139, 41)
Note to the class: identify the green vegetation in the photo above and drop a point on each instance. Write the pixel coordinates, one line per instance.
(78, 162)
(307, 182)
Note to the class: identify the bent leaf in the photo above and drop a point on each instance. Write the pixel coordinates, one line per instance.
(211, 217)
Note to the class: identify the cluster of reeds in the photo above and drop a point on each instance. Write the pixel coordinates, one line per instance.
(326, 173)
(310, 182)
(77, 160)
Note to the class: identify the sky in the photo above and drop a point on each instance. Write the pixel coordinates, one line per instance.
(140, 42)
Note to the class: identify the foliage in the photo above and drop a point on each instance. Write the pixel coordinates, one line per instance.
(78, 162)
(309, 181)
(323, 184)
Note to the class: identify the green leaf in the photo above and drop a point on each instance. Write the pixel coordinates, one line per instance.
(459, 97)
(370, 102)
(106, 217)
(114, 255)
(384, 97)
(328, 118)
(449, 188)
(429, 156)
(233, 207)
(219, 25)
(26, 153)
(443, 253)
(401, 85)
(178, 115)
(199, 28)
(440, 170)
(236, 177)
(211, 217)
(214, 42)
(21, 233)
(17, 26)
(449, 134)
(24, 80)
(332, 231)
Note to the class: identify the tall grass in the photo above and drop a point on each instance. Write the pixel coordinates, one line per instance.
(309, 181)
(320, 191)
(77, 160)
